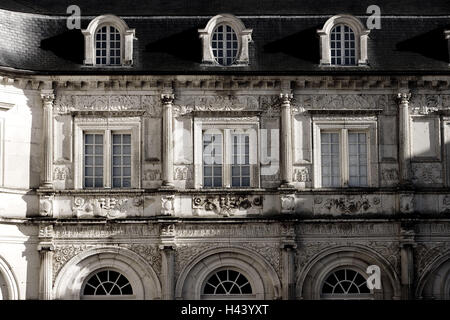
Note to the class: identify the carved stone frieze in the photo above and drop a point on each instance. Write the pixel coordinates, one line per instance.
(424, 104)
(227, 205)
(68, 103)
(248, 230)
(106, 207)
(346, 204)
(187, 104)
(390, 175)
(348, 229)
(46, 231)
(106, 231)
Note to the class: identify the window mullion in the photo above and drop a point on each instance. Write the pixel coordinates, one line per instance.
(344, 158)
(107, 170)
(227, 158)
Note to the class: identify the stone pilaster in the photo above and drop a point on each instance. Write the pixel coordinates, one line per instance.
(167, 156)
(168, 271)
(404, 138)
(47, 128)
(288, 271)
(407, 245)
(286, 141)
(46, 271)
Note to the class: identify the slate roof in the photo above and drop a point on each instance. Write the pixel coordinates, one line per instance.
(170, 44)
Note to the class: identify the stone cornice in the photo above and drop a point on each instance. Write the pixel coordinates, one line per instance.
(223, 82)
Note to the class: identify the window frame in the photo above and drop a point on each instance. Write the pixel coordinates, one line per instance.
(107, 126)
(108, 46)
(342, 48)
(238, 39)
(228, 127)
(344, 126)
(332, 296)
(361, 37)
(223, 296)
(105, 297)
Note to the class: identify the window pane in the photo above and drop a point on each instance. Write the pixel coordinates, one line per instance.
(222, 39)
(212, 160)
(357, 159)
(93, 160)
(342, 40)
(330, 159)
(121, 161)
(240, 169)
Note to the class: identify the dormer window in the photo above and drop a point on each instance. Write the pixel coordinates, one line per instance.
(225, 41)
(343, 42)
(108, 42)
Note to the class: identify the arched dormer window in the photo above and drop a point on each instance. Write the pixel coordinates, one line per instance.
(108, 42)
(343, 42)
(225, 41)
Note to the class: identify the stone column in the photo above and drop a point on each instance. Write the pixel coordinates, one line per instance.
(407, 245)
(288, 271)
(286, 141)
(46, 271)
(168, 271)
(167, 156)
(404, 138)
(47, 128)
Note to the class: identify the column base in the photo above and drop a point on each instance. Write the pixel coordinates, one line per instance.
(286, 186)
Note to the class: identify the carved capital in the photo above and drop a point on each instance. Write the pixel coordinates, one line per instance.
(167, 98)
(286, 98)
(47, 97)
(45, 247)
(403, 98)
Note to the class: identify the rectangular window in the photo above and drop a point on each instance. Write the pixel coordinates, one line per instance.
(357, 153)
(121, 161)
(240, 169)
(331, 173)
(212, 160)
(344, 159)
(93, 160)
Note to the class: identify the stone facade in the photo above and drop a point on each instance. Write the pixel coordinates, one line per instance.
(167, 233)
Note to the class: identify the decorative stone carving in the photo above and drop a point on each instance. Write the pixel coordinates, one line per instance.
(150, 253)
(182, 173)
(347, 229)
(167, 205)
(46, 206)
(168, 230)
(427, 173)
(226, 205)
(346, 204)
(249, 230)
(152, 175)
(287, 203)
(187, 104)
(445, 204)
(427, 253)
(64, 253)
(406, 203)
(68, 103)
(46, 231)
(390, 175)
(301, 175)
(62, 173)
(111, 231)
(107, 207)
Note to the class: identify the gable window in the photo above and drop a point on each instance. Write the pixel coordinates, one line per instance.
(343, 46)
(107, 154)
(345, 153)
(107, 46)
(343, 42)
(108, 42)
(226, 153)
(225, 41)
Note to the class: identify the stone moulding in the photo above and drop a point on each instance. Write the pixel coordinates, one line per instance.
(227, 205)
(109, 207)
(346, 204)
